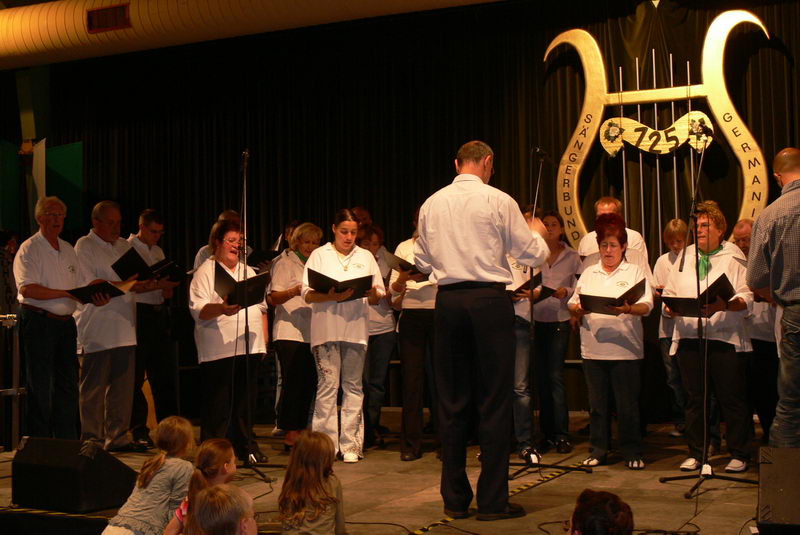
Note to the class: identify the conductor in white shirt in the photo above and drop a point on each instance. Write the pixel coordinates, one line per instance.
(466, 229)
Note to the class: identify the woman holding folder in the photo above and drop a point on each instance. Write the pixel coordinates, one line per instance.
(292, 332)
(339, 332)
(724, 331)
(220, 337)
(612, 342)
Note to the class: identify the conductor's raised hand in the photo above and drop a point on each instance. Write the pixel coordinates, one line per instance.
(536, 225)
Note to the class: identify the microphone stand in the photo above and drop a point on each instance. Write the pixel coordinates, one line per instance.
(533, 460)
(252, 462)
(706, 472)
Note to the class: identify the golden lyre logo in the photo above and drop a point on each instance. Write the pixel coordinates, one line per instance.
(695, 127)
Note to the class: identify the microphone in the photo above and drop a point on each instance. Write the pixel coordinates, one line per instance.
(542, 154)
(245, 159)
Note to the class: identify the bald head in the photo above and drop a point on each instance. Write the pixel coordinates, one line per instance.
(786, 166)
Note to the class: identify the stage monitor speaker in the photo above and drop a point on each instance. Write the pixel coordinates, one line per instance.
(69, 476)
(778, 491)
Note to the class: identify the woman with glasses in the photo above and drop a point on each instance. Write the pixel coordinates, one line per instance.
(612, 343)
(220, 337)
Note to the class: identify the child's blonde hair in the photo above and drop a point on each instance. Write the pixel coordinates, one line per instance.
(305, 494)
(174, 438)
(220, 510)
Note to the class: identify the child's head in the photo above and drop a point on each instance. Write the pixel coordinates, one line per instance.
(306, 493)
(216, 460)
(214, 464)
(601, 513)
(675, 235)
(174, 438)
(222, 510)
(313, 452)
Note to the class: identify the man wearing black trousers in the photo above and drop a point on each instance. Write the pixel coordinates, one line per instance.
(466, 229)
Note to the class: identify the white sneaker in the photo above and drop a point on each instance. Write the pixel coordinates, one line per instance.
(690, 464)
(350, 457)
(736, 466)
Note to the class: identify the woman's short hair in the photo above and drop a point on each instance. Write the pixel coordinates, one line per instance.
(711, 210)
(611, 225)
(304, 230)
(218, 510)
(601, 513)
(219, 230)
(674, 229)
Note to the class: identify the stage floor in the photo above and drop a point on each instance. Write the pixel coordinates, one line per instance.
(382, 489)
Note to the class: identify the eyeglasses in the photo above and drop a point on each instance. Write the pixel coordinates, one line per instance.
(233, 241)
(54, 214)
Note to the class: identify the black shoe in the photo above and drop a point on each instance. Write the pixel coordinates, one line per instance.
(512, 510)
(457, 515)
(564, 446)
(255, 457)
(530, 456)
(144, 443)
(408, 456)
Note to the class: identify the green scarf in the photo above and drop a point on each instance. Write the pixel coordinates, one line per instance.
(304, 259)
(705, 263)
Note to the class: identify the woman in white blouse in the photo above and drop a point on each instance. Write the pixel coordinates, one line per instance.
(612, 344)
(552, 333)
(292, 332)
(220, 337)
(339, 334)
(726, 339)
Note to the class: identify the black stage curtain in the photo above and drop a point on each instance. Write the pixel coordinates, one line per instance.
(371, 112)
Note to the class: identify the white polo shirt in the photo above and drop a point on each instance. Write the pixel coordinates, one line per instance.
(726, 326)
(419, 295)
(347, 321)
(293, 318)
(560, 275)
(151, 255)
(606, 337)
(112, 325)
(38, 263)
(223, 336)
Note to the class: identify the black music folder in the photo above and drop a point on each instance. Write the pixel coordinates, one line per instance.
(537, 280)
(244, 293)
(599, 305)
(322, 283)
(131, 263)
(85, 293)
(260, 256)
(690, 306)
(398, 264)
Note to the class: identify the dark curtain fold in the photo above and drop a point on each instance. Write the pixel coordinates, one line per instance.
(371, 112)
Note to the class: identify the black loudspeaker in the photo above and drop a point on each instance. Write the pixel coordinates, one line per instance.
(69, 476)
(778, 491)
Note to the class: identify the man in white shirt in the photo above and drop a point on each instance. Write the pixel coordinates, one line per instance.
(106, 338)
(466, 229)
(45, 268)
(153, 352)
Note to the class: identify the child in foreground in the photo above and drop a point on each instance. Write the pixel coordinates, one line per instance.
(310, 502)
(162, 482)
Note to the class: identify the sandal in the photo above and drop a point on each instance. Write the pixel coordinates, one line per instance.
(591, 460)
(635, 464)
